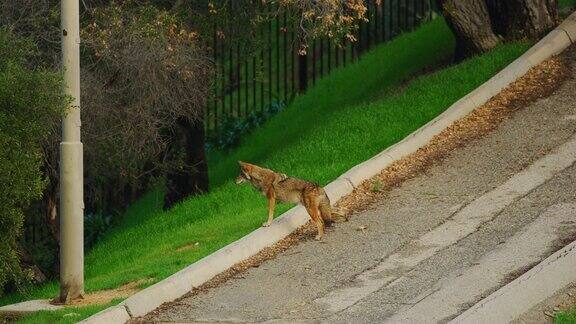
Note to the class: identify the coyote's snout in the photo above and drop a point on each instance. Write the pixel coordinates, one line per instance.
(284, 188)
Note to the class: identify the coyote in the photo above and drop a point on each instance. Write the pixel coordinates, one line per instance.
(279, 186)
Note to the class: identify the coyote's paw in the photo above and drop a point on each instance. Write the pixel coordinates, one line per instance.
(266, 224)
(318, 237)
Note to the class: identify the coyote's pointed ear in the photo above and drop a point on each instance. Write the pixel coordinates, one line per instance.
(245, 166)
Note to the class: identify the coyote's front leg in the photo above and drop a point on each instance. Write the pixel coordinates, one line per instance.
(271, 194)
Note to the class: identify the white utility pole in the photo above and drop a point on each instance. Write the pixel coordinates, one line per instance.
(71, 162)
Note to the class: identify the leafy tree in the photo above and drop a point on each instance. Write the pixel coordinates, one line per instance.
(30, 100)
(146, 80)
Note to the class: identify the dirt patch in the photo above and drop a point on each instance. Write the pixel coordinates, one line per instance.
(541, 81)
(103, 297)
(188, 246)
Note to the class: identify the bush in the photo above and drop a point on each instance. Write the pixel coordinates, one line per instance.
(30, 101)
(143, 72)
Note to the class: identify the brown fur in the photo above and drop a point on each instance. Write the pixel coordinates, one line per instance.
(278, 186)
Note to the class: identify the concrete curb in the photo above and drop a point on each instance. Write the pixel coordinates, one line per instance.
(198, 273)
(519, 296)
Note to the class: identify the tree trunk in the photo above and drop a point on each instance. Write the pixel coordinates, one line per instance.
(188, 138)
(27, 262)
(530, 19)
(51, 211)
(470, 22)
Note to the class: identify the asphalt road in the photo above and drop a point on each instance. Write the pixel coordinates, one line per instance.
(430, 248)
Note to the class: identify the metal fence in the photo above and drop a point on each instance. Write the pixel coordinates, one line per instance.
(276, 72)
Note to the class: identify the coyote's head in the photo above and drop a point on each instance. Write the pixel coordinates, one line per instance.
(245, 170)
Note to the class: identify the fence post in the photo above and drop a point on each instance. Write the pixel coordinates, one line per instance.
(302, 69)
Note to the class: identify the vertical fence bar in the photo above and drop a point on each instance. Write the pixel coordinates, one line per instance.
(217, 85)
(246, 87)
(406, 14)
(368, 24)
(269, 56)
(376, 25)
(292, 57)
(396, 12)
(380, 22)
(285, 37)
(352, 51)
(209, 113)
(223, 83)
(360, 40)
(239, 82)
(230, 87)
(302, 72)
(350, 48)
(388, 14)
(366, 30)
(336, 54)
(277, 56)
(410, 13)
(343, 49)
(414, 13)
(314, 61)
(400, 16)
(321, 57)
(261, 67)
(329, 55)
(254, 98)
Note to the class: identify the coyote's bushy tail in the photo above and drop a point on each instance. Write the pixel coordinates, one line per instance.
(329, 215)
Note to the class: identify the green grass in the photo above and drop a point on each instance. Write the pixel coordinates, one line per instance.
(345, 119)
(68, 315)
(566, 317)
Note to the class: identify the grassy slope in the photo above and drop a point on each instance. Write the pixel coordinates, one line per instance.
(349, 106)
(377, 70)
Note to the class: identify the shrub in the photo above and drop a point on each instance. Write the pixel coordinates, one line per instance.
(145, 73)
(30, 101)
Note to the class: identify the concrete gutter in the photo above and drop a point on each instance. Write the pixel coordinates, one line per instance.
(509, 302)
(200, 272)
